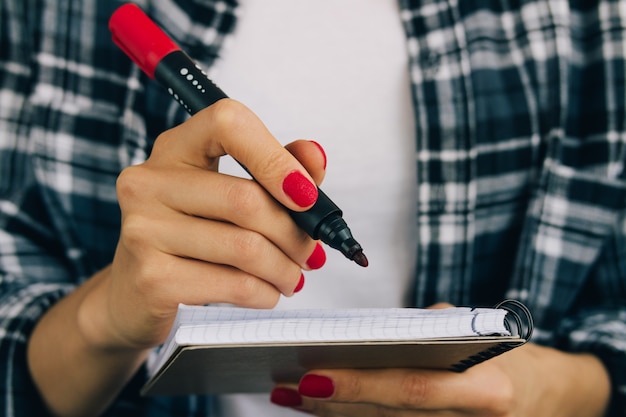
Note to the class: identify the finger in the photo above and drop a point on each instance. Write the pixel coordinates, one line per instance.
(239, 201)
(288, 396)
(152, 284)
(312, 156)
(392, 388)
(169, 280)
(243, 249)
(228, 127)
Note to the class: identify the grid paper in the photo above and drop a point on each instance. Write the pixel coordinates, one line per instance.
(211, 325)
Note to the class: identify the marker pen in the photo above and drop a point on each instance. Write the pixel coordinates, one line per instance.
(161, 59)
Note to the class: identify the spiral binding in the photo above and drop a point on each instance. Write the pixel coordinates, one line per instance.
(518, 322)
(523, 320)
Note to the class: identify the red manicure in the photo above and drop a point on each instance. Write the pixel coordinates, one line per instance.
(300, 284)
(300, 189)
(285, 397)
(316, 386)
(317, 258)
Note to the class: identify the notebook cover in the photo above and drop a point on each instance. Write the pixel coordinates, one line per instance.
(256, 368)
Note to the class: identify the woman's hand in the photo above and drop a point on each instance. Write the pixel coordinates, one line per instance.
(189, 235)
(529, 381)
(192, 235)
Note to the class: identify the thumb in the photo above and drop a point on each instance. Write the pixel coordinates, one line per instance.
(229, 127)
(312, 156)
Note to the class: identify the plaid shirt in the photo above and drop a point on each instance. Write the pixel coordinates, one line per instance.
(520, 145)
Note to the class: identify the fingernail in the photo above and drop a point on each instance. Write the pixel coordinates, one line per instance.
(285, 397)
(317, 258)
(300, 284)
(300, 189)
(322, 151)
(316, 386)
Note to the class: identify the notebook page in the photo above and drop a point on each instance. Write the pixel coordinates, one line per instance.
(200, 325)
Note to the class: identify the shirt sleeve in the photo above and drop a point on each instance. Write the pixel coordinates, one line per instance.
(599, 327)
(21, 306)
(602, 332)
(35, 272)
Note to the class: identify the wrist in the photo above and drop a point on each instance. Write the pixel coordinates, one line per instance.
(94, 321)
(71, 340)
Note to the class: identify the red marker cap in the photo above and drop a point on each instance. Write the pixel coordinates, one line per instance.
(140, 38)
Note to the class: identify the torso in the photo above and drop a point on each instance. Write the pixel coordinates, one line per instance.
(303, 68)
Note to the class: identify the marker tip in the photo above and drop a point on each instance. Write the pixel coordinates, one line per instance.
(360, 258)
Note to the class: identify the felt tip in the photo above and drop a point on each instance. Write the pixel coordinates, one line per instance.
(360, 259)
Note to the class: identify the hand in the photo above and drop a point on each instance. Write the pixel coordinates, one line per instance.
(192, 235)
(189, 235)
(530, 381)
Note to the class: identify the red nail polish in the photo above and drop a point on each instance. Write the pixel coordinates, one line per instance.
(322, 151)
(316, 386)
(285, 397)
(300, 284)
(317, 258)
(300, 189)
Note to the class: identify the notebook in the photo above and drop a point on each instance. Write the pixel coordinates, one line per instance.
(215, 350)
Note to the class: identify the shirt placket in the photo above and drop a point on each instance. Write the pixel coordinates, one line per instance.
(443, 106)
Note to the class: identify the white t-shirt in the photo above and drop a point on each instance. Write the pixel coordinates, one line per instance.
(335, 71)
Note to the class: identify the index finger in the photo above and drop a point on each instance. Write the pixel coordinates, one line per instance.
(229, 127)
(406, 389)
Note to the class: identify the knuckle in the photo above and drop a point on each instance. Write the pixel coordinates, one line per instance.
(133, 235)
(496, 397)
(229, 114)
(230, 118)
(126, 185)
(162, 143)
(146, 275)
(414, 390)
(245, 199)
(351, 387)
(249, 292)
(249, 245)
(135, 183)
(273, 163)
(146, 279)
(502, 400)
(148, 266)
